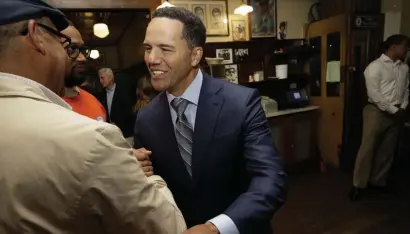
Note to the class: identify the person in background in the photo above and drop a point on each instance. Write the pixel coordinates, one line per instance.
(145, 93)
(89, 85)
(80, 100)
(61, 172)
(209, 139)
(118, 103)
(387, 82)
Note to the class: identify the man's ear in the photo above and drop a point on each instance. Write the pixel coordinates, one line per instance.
(196, 56)
(35, 37)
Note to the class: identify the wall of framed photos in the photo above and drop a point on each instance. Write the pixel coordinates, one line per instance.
(293, 12)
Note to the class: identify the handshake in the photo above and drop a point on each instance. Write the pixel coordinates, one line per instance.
(143, 157)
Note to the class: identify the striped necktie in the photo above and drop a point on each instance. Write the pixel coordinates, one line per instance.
(183, 132)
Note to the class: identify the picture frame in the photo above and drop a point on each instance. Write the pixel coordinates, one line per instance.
(231, 73)
(239, 30)
(213, 13)
(226, 54)
(263, 19)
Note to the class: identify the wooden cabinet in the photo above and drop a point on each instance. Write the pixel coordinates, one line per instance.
(295, 135)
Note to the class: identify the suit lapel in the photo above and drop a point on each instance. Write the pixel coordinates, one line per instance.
(209, 107)
(167, 140)
(105, 103)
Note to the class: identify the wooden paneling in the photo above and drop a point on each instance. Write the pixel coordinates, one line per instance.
(81, 4)
(117, 21)
(367, 6)
(330, 8)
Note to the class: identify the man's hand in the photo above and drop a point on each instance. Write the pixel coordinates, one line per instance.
(142, 156)
(207, 228)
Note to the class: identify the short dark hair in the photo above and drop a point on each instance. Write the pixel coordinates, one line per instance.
(396, 39)
(194, 31)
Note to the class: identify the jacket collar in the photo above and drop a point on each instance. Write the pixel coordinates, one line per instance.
(14, 85)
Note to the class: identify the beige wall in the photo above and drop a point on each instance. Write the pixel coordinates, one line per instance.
(393, 16)
(295, 12)
(397, 19)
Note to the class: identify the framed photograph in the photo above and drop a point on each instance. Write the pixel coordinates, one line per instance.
(263, 18)
(241, 54)
(231, 73)
(213, 13)
(238, 30)
(282, 30)
(226, 54)
(200, 11)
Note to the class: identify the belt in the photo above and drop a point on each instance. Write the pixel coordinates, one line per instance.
(371, 103)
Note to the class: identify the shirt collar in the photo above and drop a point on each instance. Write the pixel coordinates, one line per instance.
(386, 58)
(50, 95)
(112, 89)
(192, 92)
(72, 92)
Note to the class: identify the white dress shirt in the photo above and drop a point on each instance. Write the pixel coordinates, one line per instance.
(223, 222)
(110, 96)
(387, 83)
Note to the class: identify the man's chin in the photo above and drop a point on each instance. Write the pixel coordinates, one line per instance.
(159, 86)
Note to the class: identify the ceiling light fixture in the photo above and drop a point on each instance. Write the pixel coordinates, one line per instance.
(95, 54)
(101, 30)
(165, 4)
(243, 9)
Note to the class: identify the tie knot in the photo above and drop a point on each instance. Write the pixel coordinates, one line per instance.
(179, 105)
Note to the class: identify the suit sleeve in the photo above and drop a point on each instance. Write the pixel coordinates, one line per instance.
(137, 137)
(119, 194)
(267, 189)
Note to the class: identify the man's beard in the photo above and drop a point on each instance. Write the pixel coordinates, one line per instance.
(75, 79)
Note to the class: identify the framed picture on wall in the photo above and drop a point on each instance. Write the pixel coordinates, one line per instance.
(238, 30)
(263, 18)
(213, 13)
(231, 73)
(226, 54)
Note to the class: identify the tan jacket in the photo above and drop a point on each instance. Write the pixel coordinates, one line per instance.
(61, 172)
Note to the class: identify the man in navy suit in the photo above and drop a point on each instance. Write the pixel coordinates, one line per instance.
(209, 139)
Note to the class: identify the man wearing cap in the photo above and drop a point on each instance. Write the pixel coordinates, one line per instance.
(61, 172)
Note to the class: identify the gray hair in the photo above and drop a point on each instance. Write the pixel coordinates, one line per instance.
(9, 31)
(107, 71)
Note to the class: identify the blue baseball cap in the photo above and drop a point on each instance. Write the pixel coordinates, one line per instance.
(13, 11)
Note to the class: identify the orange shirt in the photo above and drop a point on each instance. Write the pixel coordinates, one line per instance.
(86, 104)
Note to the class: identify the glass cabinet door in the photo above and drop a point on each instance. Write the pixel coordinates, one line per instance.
(315, 67)
(333, 72)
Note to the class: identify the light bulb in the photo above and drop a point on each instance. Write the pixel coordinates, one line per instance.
(101, 30)
(243, 10)
(94, 54)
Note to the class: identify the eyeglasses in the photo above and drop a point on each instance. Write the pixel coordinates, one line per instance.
(73, 51)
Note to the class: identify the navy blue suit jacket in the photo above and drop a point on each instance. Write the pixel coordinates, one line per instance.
(236, 169)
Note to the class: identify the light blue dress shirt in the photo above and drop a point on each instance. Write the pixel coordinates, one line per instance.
(110, 96)
(223, 222)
